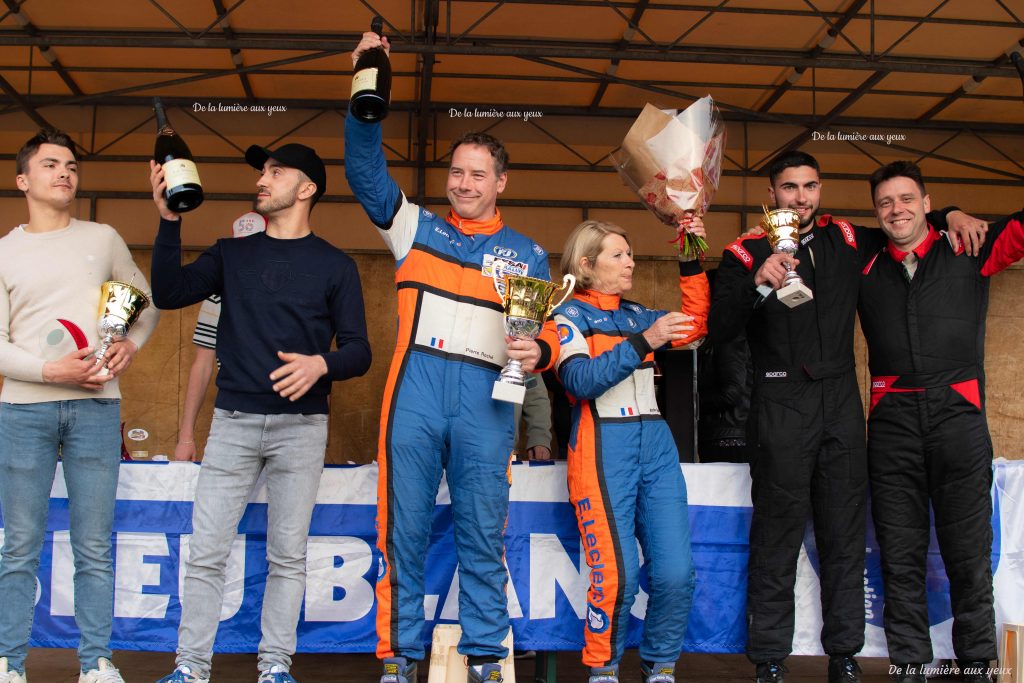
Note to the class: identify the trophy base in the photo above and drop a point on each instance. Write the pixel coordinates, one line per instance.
(509, 393)
(794, 294)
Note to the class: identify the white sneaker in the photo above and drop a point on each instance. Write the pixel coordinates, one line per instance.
(103, 673)
(10, 676)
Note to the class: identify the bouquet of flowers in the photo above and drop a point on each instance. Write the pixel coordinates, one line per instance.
(673, 161)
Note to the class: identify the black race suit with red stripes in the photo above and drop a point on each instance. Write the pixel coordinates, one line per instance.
(806, 426)
(928, 440)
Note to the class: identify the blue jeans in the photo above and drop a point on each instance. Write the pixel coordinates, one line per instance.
(87, 434)
(241, 445)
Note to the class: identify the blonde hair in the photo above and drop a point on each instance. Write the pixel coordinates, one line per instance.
(585, 243)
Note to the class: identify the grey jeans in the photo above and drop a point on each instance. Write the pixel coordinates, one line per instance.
(241, 445)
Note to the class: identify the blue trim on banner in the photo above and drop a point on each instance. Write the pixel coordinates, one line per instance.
(547, 589)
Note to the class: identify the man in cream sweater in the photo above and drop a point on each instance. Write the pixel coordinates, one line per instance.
(57, 402)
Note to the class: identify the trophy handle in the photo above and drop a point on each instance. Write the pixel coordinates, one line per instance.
(498, 278)
(569, 282)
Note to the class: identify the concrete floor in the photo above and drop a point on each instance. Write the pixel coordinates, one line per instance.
(60, 666)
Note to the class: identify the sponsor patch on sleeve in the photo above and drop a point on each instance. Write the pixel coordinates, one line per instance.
(848, 233)
(565, 334)
(742, 254)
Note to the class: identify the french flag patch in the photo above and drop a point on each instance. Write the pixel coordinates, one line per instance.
(437, 343)
(626, 411)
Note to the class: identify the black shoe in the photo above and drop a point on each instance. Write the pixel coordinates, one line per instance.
(771, 672)
(908, 673)
(843, 669)
(976, 671)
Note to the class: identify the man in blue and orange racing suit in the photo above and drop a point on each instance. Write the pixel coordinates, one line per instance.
(922, 306)
(625, 482)
(438, 414)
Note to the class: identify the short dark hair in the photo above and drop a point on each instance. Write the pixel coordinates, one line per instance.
(493, 145)
(791, 159)
(46, 136)
(901, 168)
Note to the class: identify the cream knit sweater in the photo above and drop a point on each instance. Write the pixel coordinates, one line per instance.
(49, 298)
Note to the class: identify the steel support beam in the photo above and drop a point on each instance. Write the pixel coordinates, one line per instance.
(22, 103)
(634, 21)
(44, 49)
(504, 47)
(829, 118)
(753, 10)
(347, 73)
(236, 54)
(816, 51)
(963, 89)
(1011, 129)
(431, 14)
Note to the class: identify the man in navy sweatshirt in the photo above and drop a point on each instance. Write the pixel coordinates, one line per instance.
(285, 294)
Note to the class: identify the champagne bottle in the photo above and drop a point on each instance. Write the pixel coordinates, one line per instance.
(184, 190)
(371, 84)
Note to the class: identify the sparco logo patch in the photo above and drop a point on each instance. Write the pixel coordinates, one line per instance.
(742, 254)
(848, 234)
(775, 374)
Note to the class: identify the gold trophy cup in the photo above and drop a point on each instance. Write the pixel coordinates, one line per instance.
(783, 229)
(527, 304)
(120, 306)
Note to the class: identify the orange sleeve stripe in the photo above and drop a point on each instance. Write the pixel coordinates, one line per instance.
(549, 335)
(696, 302)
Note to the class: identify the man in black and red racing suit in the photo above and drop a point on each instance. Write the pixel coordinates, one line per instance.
(922, 308)
(806, 423)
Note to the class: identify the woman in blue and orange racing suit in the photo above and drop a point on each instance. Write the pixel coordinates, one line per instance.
(625, 482)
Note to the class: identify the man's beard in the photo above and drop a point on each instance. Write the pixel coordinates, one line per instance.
(273, 204)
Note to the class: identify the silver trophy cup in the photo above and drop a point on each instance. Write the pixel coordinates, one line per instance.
(783, 229)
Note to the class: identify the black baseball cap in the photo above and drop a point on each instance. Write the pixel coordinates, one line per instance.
(292, 155)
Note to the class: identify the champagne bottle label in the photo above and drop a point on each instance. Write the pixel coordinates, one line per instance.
(181, 172)
(366, 79)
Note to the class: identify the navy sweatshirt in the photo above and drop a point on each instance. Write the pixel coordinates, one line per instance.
(291, 295)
